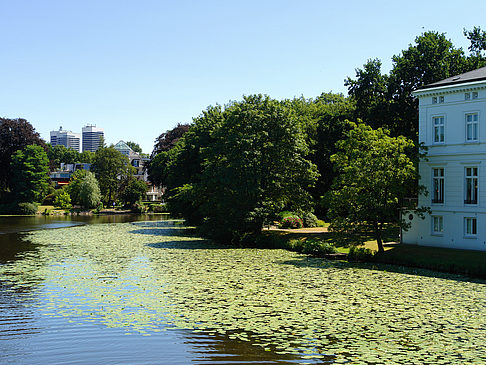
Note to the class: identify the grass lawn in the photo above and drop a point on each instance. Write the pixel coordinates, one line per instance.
(440, 259)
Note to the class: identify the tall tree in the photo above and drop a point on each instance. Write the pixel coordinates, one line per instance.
(15, 134)
(167, 140)
(60, 154)
(374, 174)
(254, 166)
(369, 91)
(111, 167)
(30, 168)
(89, 191)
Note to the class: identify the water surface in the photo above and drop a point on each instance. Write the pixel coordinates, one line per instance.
(152, 292)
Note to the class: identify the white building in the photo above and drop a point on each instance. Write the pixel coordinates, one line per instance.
(452, 125)
(66, 138)
(92, 137)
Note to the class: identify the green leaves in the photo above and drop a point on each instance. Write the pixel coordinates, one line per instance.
(30, 174)
(374, 175)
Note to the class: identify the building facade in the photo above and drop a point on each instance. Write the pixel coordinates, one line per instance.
(66, 138)
(452, 125)
(92, 137)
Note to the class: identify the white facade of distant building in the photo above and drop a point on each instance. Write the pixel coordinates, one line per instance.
(66, 138)
(92, 137)
(452, 125)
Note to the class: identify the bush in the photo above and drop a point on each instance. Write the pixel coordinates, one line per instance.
(157, 208)
(62, 200)
(49, 199)
(321, 223)
(26, 208)
(360, 254)
(310, 220)
(291, 221)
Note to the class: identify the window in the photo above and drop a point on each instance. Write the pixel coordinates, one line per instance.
(470, 226)
(475, 95)
(472, 127)
(471, 196)
(438, 129)
(441, 99)
(438, 185)
(434, 100)
(467, 96)
(437, 224)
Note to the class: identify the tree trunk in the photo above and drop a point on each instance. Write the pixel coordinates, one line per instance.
(379, 240)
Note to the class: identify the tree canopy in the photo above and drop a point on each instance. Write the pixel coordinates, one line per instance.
(30, 168)
(374, 174)
(111, 167)
(15, 134)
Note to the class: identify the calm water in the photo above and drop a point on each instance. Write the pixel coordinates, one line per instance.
(30, 337)
(145, 290)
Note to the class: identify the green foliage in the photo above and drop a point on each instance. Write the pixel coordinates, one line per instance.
(75, 185)
(157, 208)
(30, 179)
(134, 191)
(374, 172)
(60, 154)
(62, 200)
(360, 254)
(89, 191)
(244, 164)
(134, 146)
(26, 208)
(309, 219)
(86, 157)
(312, 246)
(111, 168)
(291, 221)
(15, 134)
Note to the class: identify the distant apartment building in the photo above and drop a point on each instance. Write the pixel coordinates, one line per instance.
(92, 137)
(66, 138)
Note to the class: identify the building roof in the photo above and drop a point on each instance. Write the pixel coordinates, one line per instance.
(475, 75)
(122, 146)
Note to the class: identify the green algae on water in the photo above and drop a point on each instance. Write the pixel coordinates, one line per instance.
(155, 276)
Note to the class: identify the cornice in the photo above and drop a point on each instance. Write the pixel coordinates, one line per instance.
(450, 89)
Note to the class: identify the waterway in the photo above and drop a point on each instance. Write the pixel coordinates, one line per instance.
(146, 290)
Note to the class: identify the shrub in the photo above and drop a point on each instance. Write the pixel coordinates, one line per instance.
(321, 223)
(157, 208)
(62, 200)
(309, 219)
(360, 254)
(291, 221)
(26, 208)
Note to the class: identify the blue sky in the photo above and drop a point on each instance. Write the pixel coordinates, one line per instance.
(137, 68)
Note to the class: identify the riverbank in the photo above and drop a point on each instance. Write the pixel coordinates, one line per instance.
(319, 242)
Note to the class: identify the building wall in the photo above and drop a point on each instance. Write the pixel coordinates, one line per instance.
(91, 138)
(453, 156)
(66, 138)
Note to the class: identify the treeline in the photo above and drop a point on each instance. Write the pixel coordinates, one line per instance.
(236, 167)
(26, 161)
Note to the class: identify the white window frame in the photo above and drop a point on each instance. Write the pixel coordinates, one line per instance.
(439, 126)
(434, 99)
(437, 225)
(474, 124)
(471, 173)
(470, 227)
(438, 180)
(467, 96)
(475, 95)
(441, 99)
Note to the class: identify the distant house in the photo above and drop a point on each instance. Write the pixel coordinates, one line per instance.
(62, 176)
(138, 162)
(452, 125)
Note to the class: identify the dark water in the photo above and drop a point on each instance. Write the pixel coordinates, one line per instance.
(28, 337)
